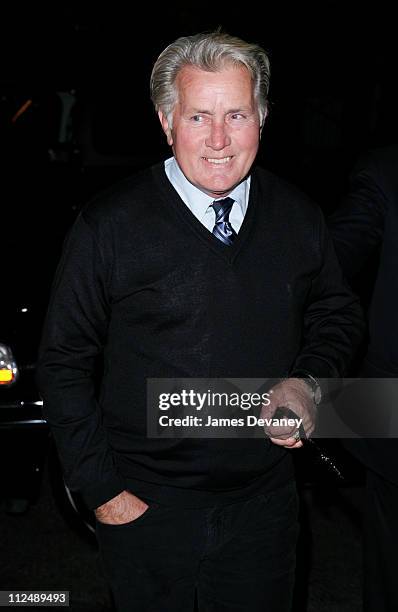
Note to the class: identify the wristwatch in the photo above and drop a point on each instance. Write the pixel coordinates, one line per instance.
(312, 383)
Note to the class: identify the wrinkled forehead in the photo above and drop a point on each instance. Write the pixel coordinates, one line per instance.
(191, 71)
(232, 81)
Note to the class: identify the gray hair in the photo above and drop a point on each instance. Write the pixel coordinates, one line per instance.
(211, 52)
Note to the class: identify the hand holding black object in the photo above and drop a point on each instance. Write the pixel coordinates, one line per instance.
(320, 454)
(296, 395)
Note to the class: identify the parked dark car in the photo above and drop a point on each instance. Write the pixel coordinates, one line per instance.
(31, 241)
(53, 163)
(40, 174)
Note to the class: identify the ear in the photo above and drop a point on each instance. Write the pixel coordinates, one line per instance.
(263, 121)
(165, 127)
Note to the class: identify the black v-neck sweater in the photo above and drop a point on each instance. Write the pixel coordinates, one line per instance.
(144, 285)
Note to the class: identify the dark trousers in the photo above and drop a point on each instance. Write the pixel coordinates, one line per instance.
(380, 545)
(239, 557)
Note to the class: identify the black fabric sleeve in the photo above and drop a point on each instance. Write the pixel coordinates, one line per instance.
(73, 338)
(357, 225)
(333, 319)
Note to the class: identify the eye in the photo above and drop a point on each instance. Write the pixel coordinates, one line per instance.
(197, 118)
(237, 116)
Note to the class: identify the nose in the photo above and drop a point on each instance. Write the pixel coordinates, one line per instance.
(218, 137)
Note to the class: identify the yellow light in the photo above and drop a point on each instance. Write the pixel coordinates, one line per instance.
(6, 376)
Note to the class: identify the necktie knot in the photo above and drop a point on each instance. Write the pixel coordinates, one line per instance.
(223, 229)
(222, 209)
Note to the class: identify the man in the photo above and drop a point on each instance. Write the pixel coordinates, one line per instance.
(367, 224)
(200, 267)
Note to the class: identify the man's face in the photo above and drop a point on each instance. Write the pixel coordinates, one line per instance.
(216, 127)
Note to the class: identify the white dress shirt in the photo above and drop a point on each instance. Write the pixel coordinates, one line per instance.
(200, 204)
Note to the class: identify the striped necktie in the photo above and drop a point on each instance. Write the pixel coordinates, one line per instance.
(223, 230)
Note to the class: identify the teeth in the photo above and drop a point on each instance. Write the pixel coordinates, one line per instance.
(224, 160)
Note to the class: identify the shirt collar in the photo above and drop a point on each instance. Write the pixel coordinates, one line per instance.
(198, 201)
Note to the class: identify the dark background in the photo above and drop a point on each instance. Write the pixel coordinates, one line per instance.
(333, 94)
(333, 90)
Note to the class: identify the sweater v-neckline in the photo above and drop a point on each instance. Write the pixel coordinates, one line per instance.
(171, 197)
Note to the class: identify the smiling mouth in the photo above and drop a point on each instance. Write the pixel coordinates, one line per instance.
(218, 161)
